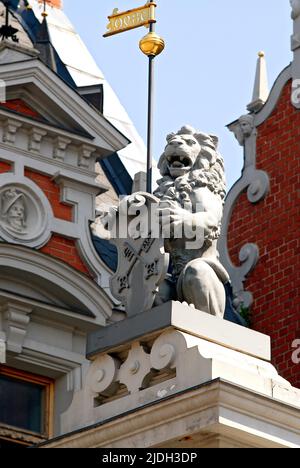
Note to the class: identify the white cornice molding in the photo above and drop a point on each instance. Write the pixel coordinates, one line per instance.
(53, 131)
(59, 274)
(47, 165)
(107, 137)
(49, 313)
(22, 50)
(216, 407)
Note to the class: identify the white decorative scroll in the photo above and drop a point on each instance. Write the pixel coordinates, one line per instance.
(257, 185)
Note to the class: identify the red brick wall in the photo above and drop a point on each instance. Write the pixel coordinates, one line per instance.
(274, 225)
(52, 192)
(58, 246)
(5, 167)
(18, 105)
(65, 249)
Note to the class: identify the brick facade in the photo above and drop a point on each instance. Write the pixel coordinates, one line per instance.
(65, 249)
(274, 225)
(4, 167)
(58, 246)
(52, 192)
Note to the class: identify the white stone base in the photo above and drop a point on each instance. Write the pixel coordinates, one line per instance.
(175, 389)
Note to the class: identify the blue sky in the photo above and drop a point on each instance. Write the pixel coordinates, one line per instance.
(205, 76)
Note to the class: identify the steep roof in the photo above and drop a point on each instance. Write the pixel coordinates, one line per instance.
(85, 72)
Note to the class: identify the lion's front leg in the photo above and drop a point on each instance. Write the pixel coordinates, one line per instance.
(176, 222)
(199, 285)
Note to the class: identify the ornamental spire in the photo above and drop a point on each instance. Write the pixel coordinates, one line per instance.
(261, 86)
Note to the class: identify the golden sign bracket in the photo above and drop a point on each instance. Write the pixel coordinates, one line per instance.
(120, 22)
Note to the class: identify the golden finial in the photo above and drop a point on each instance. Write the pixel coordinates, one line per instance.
(261, 54)
(44, 13)
(152, 44)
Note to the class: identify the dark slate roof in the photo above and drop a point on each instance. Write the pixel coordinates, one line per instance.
(107, 252)
(39, 35)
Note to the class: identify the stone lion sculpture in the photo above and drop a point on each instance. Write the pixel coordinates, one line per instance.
(191, 194)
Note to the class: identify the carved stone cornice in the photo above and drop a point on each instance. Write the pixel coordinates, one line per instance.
(60, 146)
(10, 130)
(85, 156)
(197, 418)
(36, 136)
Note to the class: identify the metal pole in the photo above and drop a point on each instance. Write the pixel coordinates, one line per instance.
(150, 117)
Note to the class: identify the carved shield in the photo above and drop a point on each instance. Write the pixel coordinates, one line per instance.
(142, 261)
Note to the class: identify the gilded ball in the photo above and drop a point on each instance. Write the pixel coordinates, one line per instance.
(152, 44)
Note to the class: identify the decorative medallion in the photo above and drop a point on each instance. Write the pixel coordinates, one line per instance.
(24, 215)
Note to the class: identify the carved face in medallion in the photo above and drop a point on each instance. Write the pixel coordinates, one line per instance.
(16, 216)
(13, 211)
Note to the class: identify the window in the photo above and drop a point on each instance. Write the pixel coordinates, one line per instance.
(26, 407)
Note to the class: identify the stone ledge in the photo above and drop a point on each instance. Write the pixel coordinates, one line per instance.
(181, 317)
(214, 415)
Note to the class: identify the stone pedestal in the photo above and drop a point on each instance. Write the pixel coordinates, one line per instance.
(176, 377)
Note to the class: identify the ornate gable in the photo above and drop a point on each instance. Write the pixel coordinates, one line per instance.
(50, 139)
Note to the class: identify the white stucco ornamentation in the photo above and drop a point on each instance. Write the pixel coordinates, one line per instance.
(25, 213)
(103, 379)
(159, 366)
(136, 370)
(257, 185)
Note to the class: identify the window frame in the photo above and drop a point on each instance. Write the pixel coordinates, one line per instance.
(48, 408)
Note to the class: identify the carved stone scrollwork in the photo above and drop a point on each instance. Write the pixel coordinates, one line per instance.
(135, 373)
(165, 350)
(257, 185)
(103, 379)
(143, 362)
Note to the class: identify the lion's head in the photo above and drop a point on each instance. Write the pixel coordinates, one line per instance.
(194, 155)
